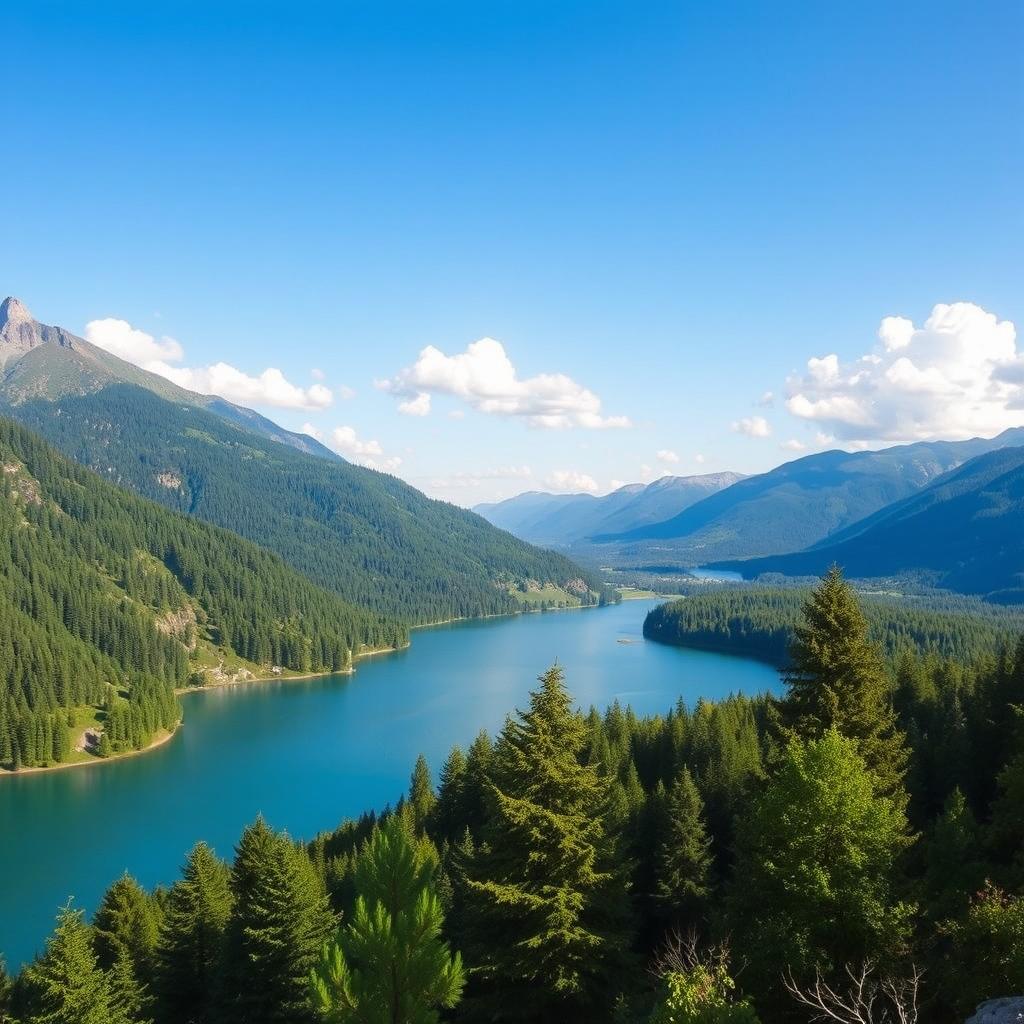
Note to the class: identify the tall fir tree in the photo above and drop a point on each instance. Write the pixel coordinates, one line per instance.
(190, 947)
(546, 900)
(683, 859)
(279, 922)
(389, 962)
(837, 680)
(422, 798)
(66, 985)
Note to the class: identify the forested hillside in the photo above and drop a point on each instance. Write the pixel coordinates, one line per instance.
(965, 532)
(108, 602)
(856, 843)
(759, 622)
(369, 537)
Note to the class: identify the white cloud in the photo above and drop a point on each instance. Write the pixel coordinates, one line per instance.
(699, 459)
(346, 441)
(767, 400)
(484, 377)
(418, 406)
(793, 445)
(958, 375)
(752, 426)
(570, 481)
(129, 343)
(268, 388)
(312, 431)
(469, 479)
(667, 456)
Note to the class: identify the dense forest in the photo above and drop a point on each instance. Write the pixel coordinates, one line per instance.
(850, 851)
(758, 622)
(367, 536)
(107, 600)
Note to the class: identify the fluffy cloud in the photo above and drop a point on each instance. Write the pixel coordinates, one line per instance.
(752, 426)
(699, 459)
(484, 377)
(793, 445)
(570, 481)
(957, 376)
(347, 442)
(156, 355)
(418, 406)
(667, 456)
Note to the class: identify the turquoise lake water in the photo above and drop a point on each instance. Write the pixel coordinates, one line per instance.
(308, 753)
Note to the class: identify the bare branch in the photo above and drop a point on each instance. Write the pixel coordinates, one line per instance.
(869, 999)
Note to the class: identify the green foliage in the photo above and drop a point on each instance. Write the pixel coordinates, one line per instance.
(684, 857)
(390, 963)
(813, 884)
(65, 985)
(989, 949)
(279, 922)
(701, 995)
(545, 878)
(191, 941)
(837, 680)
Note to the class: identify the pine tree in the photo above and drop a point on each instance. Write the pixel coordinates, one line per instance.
(66, 985)
(449, 817)
(389, 963)
(126, 919)
(6, 991)
(191, 943)
(546, 895)
(837, 680)
(129, 998)
(954, 870)
(683, 860)
(421, 794)
(280, 921)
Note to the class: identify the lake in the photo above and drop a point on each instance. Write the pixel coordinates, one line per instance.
(308, 753)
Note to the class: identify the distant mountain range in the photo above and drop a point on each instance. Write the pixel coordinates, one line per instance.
(559, 520)
(964, 530)
(366, 536)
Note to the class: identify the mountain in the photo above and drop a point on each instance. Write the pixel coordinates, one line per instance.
(965, 531)
(366, 536)
(559, 520)
(108, 602)
(797, 504)
(38, 361)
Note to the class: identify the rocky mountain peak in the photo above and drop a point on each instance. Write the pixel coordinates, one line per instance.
(14, 311)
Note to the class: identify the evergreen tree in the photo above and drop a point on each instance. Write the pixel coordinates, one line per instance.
(683, 860)
(389, 963)
(129, 998)
(837, 680)
(66, 985)
(450, 818)
(191, 943)
(6, 991)
(279, 922)
(954, 870)
(421, 794)
(814, 873)
(127, 919)
(545, 897)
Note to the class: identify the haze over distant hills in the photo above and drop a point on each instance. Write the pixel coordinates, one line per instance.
(558, 520)
(793, 506)
(964, 530)
(366, 536)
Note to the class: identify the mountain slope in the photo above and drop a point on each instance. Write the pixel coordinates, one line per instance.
(563, 519)
(364, 535)
(799, 503)
(108, 602)
(38, 361)
(966, 530)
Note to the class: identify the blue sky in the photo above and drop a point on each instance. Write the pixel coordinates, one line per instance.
(660, 211)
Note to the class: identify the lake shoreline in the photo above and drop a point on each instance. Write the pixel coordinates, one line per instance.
(207, 687)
